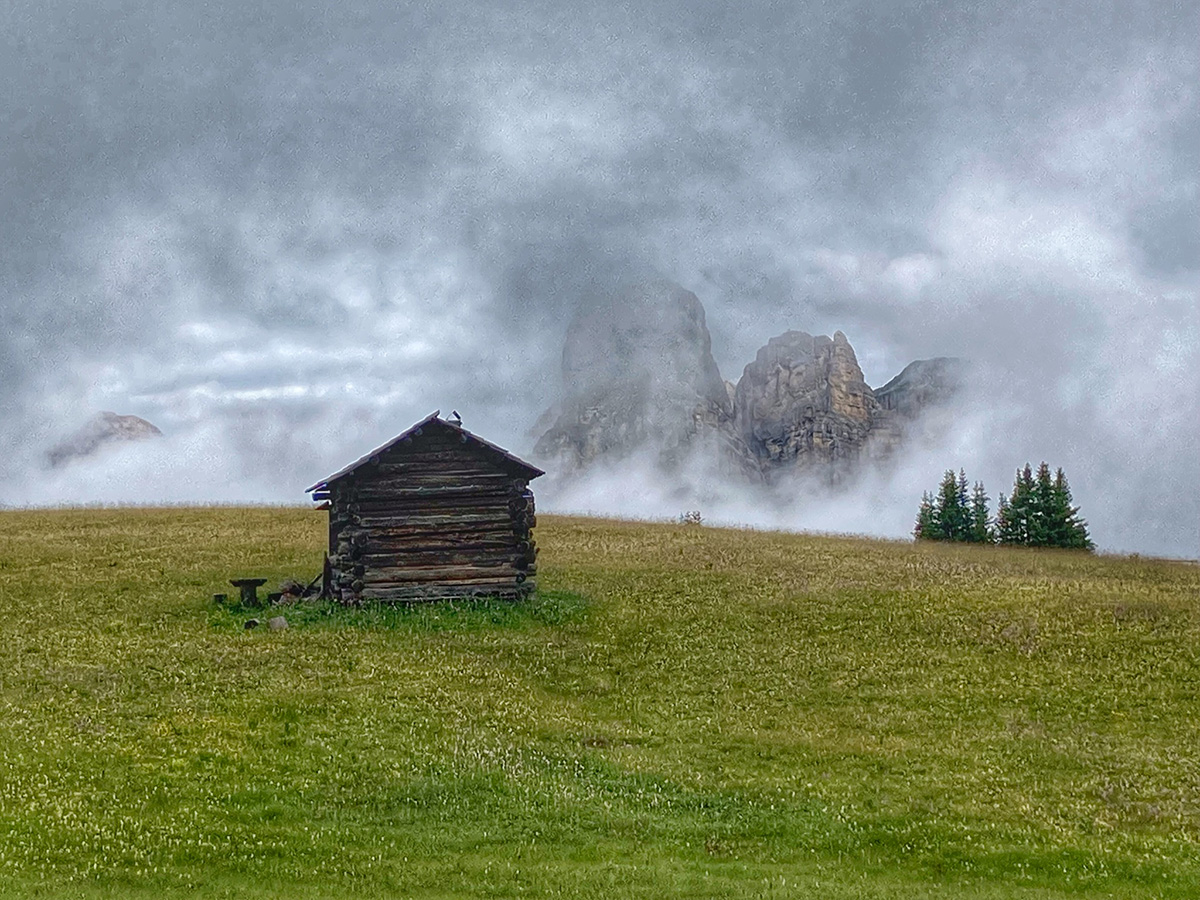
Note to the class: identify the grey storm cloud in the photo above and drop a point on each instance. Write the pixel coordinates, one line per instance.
(282, 231)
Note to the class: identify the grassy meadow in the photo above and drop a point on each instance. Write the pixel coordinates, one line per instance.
(681, 711)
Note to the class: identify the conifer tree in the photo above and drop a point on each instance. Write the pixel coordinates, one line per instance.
(1016, 527)
(1003, 520)
(949, 513)
(964, 503)
(1039, 513)
(1067, 530)
(924, 528)
(981, 528)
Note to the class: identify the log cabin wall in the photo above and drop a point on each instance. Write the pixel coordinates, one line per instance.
(438, 513)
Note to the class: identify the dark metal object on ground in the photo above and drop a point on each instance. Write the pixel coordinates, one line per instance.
(311, 589)
(327, 578)
(249, 588)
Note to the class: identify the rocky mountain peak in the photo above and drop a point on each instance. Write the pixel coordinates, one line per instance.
(803, 401)
(652, 334)
(638, 374)
(103, 429)
(921, 384)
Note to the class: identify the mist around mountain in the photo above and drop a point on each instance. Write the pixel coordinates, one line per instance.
(103, 432)
(640, 383)
(303, 229)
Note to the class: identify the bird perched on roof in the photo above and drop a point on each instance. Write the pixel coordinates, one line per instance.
(455, 418)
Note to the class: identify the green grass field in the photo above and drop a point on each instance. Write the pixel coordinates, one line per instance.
(682, 711)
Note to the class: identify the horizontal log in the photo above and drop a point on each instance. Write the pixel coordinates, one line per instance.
(497, 486)
(377, 555)
(463, 554)
(402, 555)
(460, 584)
(442, 520)
(412, 502)
(447, 588)
(442, 463)
(437, 569)
(436, 488)
(495, 545)
(421, 536)
(438, 561)
(415, 503)
(458, 520)
(380, 542)
(448, 467)
(427, 593)
(445, 517)
(451, 456)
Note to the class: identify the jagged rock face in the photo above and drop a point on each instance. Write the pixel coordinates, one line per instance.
(653, 332)
(911, 399)
(922, 384)
(639, 372)
(103, 430)
(803, 403)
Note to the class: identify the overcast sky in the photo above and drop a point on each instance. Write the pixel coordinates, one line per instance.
(282, 232)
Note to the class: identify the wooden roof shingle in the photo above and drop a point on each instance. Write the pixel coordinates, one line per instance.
(502, 457)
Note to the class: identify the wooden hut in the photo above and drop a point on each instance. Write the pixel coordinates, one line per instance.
(434, 512)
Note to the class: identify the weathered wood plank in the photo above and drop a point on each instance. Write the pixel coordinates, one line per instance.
(448, 468)
(380, 567)
(435, 569)
(426, 593)
(384, 542)
(504, 579)
(381, 555)
(435, 487)
(408, 493)
(450, 456)
(427, 520)
(407, 505)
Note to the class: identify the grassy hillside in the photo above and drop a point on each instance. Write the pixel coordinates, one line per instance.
(683, 711)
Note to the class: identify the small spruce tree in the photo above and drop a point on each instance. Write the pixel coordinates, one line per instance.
(1003, 520)
(1018, 510)
(1067, 529)
(949, 514)
(1039, 513)
(981, 526)
(964, 506)
(924, 528)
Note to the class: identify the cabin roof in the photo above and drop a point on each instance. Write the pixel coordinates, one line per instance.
(499, 455)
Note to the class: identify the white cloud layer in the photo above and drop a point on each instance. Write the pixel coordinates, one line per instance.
(304, 229)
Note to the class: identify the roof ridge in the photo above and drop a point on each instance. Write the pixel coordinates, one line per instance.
(408, 432)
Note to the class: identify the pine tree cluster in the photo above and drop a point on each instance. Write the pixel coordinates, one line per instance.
(1038, 513)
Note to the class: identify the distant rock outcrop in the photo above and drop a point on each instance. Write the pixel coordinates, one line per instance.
(912, 399)
(639, 374)
(803, 403)
(105, 429)
(921, 385)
